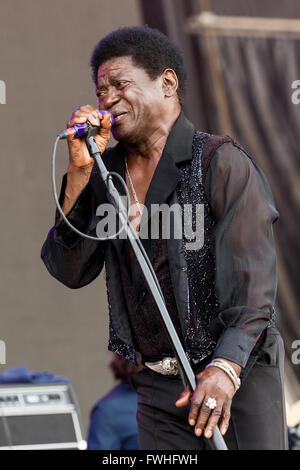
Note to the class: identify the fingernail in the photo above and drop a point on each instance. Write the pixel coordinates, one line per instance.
(223, 430)
(208, 434)
(198, 432)
(192, 422)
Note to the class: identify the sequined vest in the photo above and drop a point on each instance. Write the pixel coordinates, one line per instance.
(202, 303)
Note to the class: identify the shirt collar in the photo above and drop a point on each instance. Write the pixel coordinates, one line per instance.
(180, 140)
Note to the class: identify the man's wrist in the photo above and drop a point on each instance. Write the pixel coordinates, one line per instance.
(80, 170)
(237, 368)
(231, 369)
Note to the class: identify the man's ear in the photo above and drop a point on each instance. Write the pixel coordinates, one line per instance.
(169, 82)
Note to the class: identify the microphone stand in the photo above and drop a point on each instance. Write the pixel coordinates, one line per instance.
(185, 369)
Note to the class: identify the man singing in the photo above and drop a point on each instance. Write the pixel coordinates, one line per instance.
(220, 296)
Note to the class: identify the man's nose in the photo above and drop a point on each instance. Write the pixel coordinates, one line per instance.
(111, 98)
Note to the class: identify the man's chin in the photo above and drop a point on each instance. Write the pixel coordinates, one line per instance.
(121, 134)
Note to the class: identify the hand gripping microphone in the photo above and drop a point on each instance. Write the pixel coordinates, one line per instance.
(81, 130)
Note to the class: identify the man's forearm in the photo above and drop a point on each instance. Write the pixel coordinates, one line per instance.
(77, 179)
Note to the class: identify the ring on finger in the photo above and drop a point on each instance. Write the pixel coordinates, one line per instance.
(211, 403)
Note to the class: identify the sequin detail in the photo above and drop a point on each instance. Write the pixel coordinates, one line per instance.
(115, 344)
(200, 262)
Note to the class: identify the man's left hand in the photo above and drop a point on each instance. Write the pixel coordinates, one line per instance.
(215, 383)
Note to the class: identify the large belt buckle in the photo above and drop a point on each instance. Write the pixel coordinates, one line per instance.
(170, 366)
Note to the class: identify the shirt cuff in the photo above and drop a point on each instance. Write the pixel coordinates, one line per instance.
(79, 215)
(235, 345)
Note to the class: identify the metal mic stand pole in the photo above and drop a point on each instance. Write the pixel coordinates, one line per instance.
(186, 371)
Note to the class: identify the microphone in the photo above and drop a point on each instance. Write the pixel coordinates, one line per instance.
(80, 130)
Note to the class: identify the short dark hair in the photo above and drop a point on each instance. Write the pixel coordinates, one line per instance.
(149, 48)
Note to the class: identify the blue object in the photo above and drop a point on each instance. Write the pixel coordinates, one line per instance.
(113, 423)
(21, 374)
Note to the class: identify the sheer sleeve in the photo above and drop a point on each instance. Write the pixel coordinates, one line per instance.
(245, 278)
(79, 215)
(70, 258)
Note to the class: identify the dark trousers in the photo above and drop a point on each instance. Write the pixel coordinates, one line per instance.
(257, 413)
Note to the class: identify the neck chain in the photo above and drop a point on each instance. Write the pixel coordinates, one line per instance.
(132, 188)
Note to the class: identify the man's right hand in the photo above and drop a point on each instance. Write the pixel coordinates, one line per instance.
(79, 157)
(80, 162)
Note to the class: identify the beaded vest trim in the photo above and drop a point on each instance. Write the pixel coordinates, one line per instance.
(200, 262)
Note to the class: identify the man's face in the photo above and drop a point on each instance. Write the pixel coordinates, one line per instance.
(134, 99)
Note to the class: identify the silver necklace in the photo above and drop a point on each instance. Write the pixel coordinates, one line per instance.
(132, 188)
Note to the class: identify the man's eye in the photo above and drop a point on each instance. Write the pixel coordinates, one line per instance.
(100, 93)
(121, 83)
